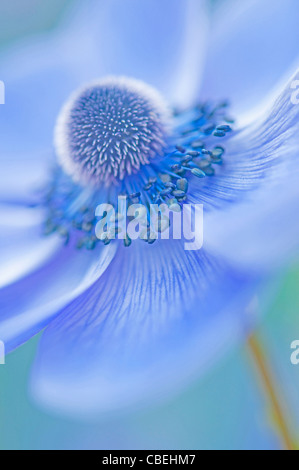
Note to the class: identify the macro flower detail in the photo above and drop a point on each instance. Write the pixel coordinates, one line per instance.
(118, 137)
(109, 130)
(129, 322)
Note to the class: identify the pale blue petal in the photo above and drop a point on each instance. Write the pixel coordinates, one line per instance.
(253, 43)
(252, 203)
(157, 316)
(28, 305)
(38, 78)
(160, 42)
(22, 178)
(22, 248)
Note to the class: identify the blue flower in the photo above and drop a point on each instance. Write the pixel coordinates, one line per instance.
(129, 324)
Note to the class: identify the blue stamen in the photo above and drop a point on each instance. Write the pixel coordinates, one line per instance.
(112, 140)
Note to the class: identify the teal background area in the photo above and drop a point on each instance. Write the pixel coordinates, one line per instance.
(225, 409)
(21, 18)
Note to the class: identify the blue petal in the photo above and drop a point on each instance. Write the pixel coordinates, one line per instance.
(253, 200)
(252, 45)
(22, 249)
(28, 305)
(160, 42)
(37, 81)
(21, 180)
(156, 317)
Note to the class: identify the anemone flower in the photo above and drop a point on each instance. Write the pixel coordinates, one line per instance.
(129, 321)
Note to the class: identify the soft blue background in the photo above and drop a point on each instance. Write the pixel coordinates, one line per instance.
(224, 410)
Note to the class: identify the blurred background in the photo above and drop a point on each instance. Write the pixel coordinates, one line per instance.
(226, 409)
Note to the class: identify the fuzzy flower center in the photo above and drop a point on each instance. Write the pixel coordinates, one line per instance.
(113, 141)
(109, 130)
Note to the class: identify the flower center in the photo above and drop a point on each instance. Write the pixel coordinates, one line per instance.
(109, 129)
(112, 142)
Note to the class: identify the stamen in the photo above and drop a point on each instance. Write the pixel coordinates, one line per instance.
(115, 131)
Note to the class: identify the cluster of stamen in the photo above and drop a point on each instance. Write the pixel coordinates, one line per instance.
(191, 152)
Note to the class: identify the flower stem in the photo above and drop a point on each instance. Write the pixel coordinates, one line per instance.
(272, 395)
